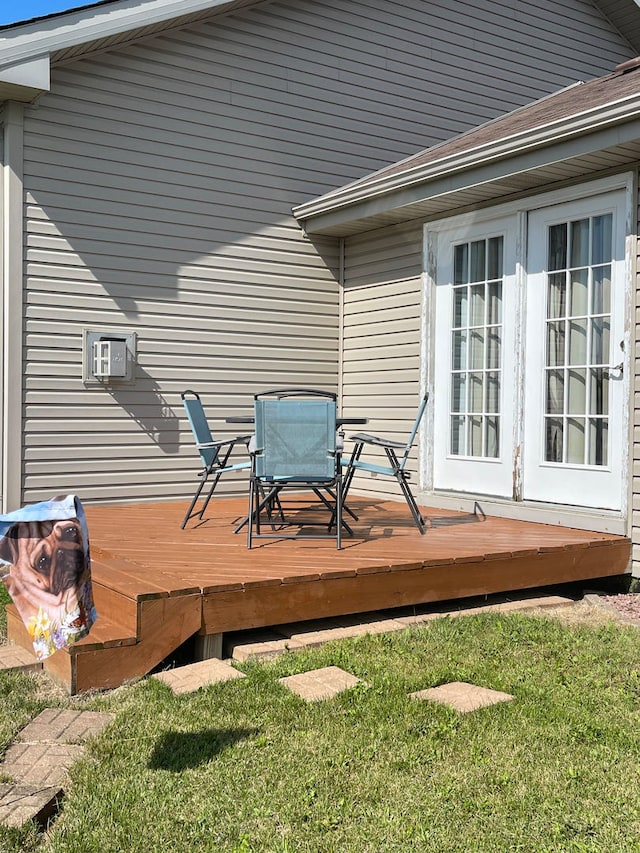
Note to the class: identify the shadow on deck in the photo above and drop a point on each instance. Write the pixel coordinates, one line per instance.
(156, 585)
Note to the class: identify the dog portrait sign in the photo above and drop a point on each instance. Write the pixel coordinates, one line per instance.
(45, 565)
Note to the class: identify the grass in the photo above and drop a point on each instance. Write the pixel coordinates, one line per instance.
(247, 767)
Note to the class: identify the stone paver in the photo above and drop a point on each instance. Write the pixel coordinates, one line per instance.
(64, 726)
(39, 760)
(40, 763)
(14, 657)
(320, 684)
(316, 633)
(462, 697)
(22, 803)
(263, 645)
(187, 679)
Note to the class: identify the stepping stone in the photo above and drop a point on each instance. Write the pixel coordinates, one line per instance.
(55, 725)
(22, 803)
(40, 763)
(316, 633)
(187, 679)
(262, 645)
(320, 684)
(17, 658)
(462, 697)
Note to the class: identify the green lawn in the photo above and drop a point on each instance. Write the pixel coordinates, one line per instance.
(247, 767)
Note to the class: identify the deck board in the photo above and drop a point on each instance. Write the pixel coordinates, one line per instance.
(142, 548)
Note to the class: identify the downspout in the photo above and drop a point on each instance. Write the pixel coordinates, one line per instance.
(11, 313)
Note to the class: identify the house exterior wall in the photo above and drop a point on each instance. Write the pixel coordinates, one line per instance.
(381, 344)
(158, 184)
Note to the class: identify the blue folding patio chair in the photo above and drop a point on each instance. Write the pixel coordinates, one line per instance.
(296, 449)
(396, 467)
(214, 454)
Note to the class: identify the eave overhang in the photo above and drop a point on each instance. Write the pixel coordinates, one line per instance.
(39, 42)
(596, 139)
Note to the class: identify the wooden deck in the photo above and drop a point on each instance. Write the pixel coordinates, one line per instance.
(156, 585)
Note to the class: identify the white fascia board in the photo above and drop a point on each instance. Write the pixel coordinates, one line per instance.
(24, 80)
(587, 122)
(45, 36)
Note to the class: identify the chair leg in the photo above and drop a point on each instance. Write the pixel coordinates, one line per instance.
(196, 497)
(413, 506)
(401, 477)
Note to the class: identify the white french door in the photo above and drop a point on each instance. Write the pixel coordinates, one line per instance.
(574, 432)
(474, 358)
(528, 371)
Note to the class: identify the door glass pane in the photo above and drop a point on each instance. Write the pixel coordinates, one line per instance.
(601, 292)
(494, 302)
(458, 426)
(575, 440)
(476, 348)
(579, 293)
(557, 297)
(475, 393)
(598, 441)
(580, 243)
(460, 296)
(555, 392)
(555, 343)
(602, 236)
(578, 341)
(461, 264)
(475, 436)
(554, 444)
(599, 392)
(600, 340)
(476, 355)
(558, 247)
(577, 392)
(494, 258)
(459, 350)
(477, 261)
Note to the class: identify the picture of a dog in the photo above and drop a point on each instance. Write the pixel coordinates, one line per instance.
(47, 563)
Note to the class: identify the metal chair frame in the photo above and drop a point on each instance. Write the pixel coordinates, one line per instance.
(214, 454)
(396, 467)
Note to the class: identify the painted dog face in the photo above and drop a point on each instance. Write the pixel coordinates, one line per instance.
(47, 555)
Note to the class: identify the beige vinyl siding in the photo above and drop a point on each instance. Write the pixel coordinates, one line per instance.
(382, 339)
(159, 182)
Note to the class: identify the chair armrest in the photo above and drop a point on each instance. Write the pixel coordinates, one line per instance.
(380, 441)
(225, 441)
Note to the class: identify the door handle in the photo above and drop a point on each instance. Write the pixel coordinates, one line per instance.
(617, 367)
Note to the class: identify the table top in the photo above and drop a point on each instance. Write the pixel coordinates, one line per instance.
(342, 421)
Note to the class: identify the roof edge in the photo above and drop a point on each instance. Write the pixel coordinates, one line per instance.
(20, 43)
(544, 135)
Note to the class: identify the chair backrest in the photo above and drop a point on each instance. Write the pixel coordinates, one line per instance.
(414, 430)
(295, 439)
(199, 426)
